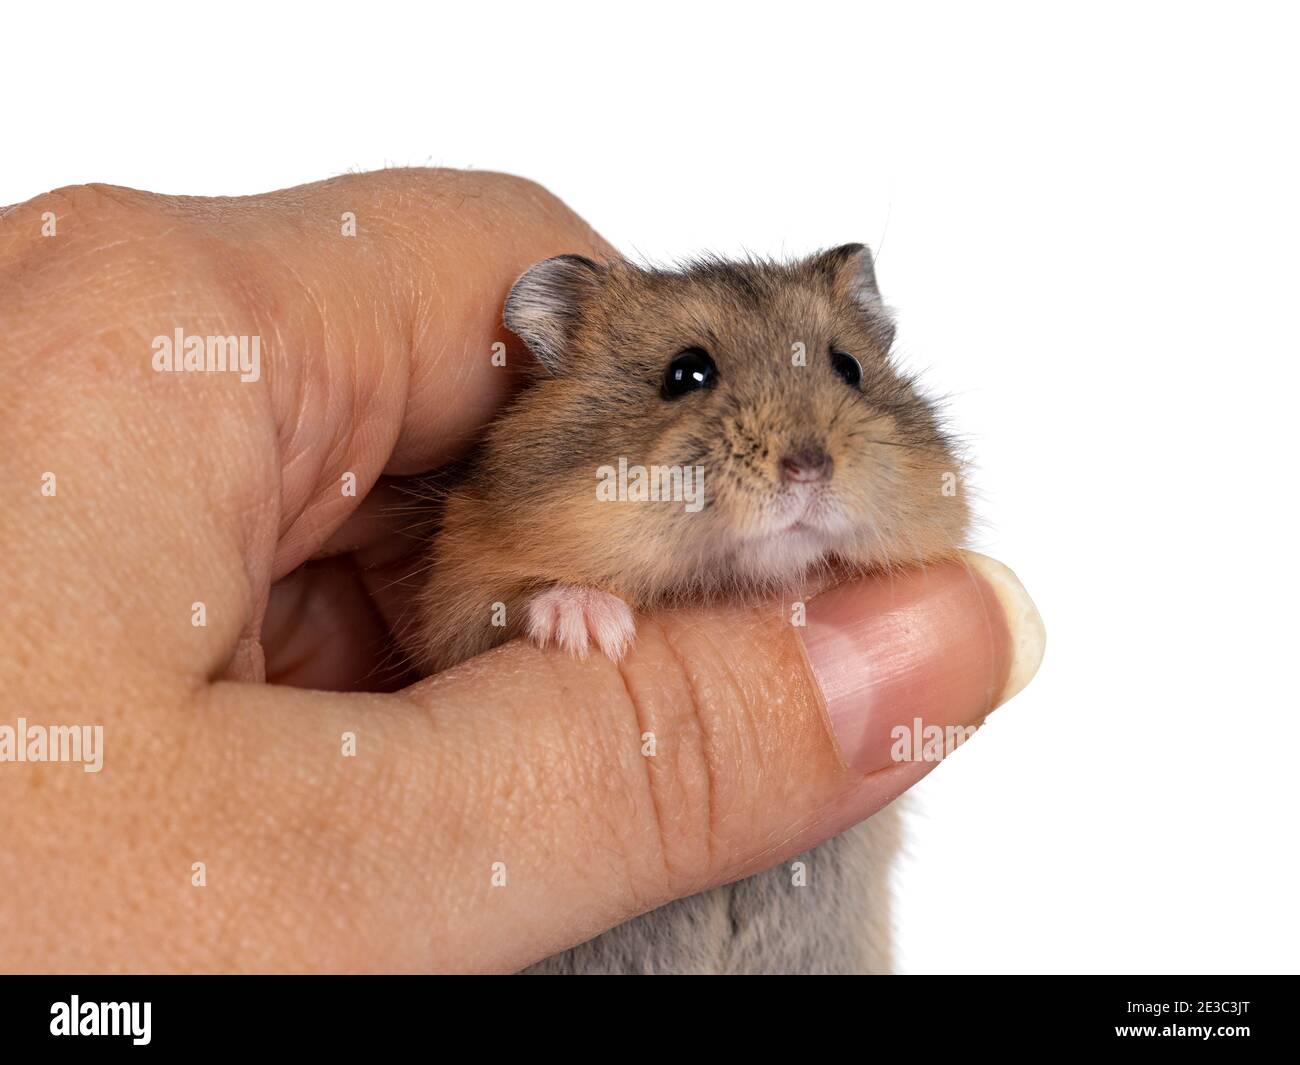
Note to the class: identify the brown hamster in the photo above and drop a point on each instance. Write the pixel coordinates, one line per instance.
(760, 403)
(767, 386)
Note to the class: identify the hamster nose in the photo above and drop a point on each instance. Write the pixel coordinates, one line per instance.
(811, 464)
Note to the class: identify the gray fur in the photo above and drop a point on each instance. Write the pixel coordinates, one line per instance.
(855, 263)
(544, 303)
(838, 923)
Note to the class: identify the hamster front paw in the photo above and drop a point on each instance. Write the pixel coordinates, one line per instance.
(574, 617)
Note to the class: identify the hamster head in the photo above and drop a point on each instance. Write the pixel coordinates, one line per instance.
(772, 382)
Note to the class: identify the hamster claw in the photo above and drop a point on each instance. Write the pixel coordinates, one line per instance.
(573, 618)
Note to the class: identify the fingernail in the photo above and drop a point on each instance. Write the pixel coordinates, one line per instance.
(941, 646)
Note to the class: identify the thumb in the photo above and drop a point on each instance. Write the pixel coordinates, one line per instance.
(580, 793)
(525, 801)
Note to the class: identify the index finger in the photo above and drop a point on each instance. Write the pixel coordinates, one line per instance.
(376, 299)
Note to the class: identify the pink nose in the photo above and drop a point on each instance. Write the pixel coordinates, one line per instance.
(810, 465)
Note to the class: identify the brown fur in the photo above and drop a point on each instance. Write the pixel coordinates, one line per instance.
(526, 515)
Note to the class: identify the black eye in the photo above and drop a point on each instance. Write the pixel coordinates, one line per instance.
(690, 370)
(847, 367)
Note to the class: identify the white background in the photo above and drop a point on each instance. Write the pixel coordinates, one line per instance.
(1087, 221)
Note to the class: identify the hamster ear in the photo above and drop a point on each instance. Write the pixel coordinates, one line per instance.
(543, 306)
(852, 271)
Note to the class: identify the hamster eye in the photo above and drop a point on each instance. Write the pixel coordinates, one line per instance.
(847, 367)
(690, 370)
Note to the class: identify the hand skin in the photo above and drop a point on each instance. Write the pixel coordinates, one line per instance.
(177, 488)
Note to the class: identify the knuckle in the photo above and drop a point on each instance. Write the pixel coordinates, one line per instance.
(91, 200)
(694, 715)
(742, 751)
(103, 215)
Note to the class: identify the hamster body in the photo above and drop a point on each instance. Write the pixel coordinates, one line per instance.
(761, 400)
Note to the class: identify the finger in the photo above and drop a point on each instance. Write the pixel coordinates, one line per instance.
(376, 297)
(323, 630)
(510, 807)
(526, 801)
(334, 623)
(726, 743)
(377, 355)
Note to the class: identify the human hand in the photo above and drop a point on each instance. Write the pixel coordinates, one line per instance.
(171, 489)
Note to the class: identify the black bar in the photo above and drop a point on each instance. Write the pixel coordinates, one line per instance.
(343, 1014)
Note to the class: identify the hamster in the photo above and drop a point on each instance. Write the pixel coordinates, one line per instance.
(757, 405)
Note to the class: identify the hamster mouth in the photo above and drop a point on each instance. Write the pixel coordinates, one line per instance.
(783, 553)
(801, 531)
(809, 511)
(799, 527)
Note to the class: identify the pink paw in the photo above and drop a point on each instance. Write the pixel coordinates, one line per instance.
(573, 617)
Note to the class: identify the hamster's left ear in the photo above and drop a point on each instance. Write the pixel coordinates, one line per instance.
(545, 304)
(852, 272)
